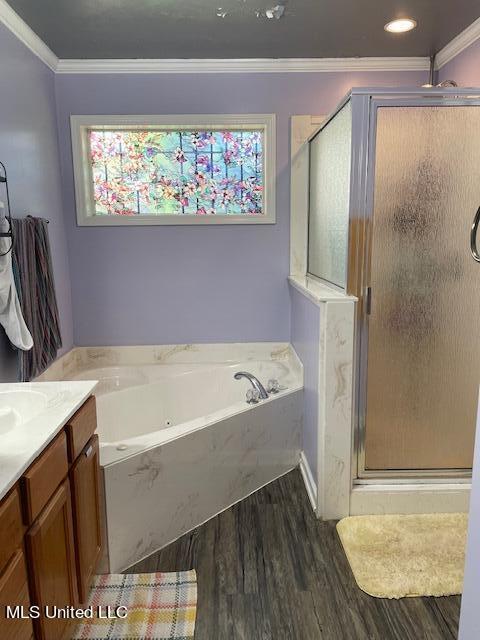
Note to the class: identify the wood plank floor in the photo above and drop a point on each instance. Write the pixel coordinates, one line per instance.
(269, 570)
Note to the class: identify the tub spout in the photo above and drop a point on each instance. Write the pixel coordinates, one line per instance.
(255, 382)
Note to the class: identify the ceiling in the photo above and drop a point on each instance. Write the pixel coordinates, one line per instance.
(192, 29)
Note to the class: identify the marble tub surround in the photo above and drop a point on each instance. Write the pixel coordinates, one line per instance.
(63, 367)
(157, 495)
(83, 358)
(24, 442)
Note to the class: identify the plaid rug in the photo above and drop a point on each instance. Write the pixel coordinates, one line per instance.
(157, 606)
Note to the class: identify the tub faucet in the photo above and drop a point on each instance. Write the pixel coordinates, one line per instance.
(255, 382)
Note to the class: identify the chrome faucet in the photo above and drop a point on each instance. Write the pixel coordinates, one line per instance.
(255, 382)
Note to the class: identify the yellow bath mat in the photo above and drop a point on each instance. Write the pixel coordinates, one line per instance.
(150, 606)
(397, 556)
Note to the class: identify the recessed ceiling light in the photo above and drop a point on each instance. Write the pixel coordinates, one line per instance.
(400, 26)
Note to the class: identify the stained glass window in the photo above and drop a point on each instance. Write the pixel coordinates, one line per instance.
(176, 172)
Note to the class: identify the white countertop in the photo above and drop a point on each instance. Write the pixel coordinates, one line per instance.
(20, 446)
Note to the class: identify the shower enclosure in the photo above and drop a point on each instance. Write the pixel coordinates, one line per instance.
(394, 189)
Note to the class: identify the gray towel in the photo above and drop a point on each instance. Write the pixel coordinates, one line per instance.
(32, 267)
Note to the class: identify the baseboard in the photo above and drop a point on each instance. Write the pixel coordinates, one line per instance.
(411, 498)
(308, 479)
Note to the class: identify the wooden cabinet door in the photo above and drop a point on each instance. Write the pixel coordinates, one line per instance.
(14, 594)
(51, 564)
(43, 477)
(11, 527)
(84, 479)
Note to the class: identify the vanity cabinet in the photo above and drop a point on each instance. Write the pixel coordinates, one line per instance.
(50, 532)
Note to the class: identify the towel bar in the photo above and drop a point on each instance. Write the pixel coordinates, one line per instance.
(6, 234)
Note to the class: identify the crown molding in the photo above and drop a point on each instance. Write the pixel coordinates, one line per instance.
(25, 34)
(243, 65)
(464, 39)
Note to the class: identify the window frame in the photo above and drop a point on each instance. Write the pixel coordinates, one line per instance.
(85, 208)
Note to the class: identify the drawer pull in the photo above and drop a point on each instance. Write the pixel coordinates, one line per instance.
(88, 451)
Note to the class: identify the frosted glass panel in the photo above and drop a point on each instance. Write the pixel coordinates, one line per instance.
(423, 336)
(330, 158)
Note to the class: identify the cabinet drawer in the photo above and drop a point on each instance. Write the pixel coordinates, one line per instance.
(11, 527)
(43, 477)
(80, 428)
(14, 593)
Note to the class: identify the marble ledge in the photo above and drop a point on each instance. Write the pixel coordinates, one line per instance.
(85, 358)
(318, 292)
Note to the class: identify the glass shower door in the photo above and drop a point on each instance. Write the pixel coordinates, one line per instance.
(423, 350)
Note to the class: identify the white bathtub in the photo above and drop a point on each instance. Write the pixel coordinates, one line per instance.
(178, 442)
(143, 406)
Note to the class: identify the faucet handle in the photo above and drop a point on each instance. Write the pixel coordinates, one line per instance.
(253, 396)
(273, 385)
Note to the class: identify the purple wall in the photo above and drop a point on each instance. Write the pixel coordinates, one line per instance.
(464, 68)
(29, 149)
(190, 284)
(305, 340)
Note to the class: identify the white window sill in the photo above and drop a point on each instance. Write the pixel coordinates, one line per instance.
(176, 220)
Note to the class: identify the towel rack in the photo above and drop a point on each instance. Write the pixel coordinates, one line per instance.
(8, 216)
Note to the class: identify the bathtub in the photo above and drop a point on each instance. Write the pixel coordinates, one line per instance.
(178, 441)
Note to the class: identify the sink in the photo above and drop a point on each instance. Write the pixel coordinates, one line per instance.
(18, 407)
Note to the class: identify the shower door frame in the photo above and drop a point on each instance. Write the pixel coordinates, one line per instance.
(365, 105)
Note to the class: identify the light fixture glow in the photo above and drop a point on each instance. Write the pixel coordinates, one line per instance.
(401, 26)
(275, 12)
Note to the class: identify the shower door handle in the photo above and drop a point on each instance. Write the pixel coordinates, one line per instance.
(473, 236)
(368, 301)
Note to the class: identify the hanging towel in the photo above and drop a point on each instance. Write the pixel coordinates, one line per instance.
(11, 317)
(32, 265)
